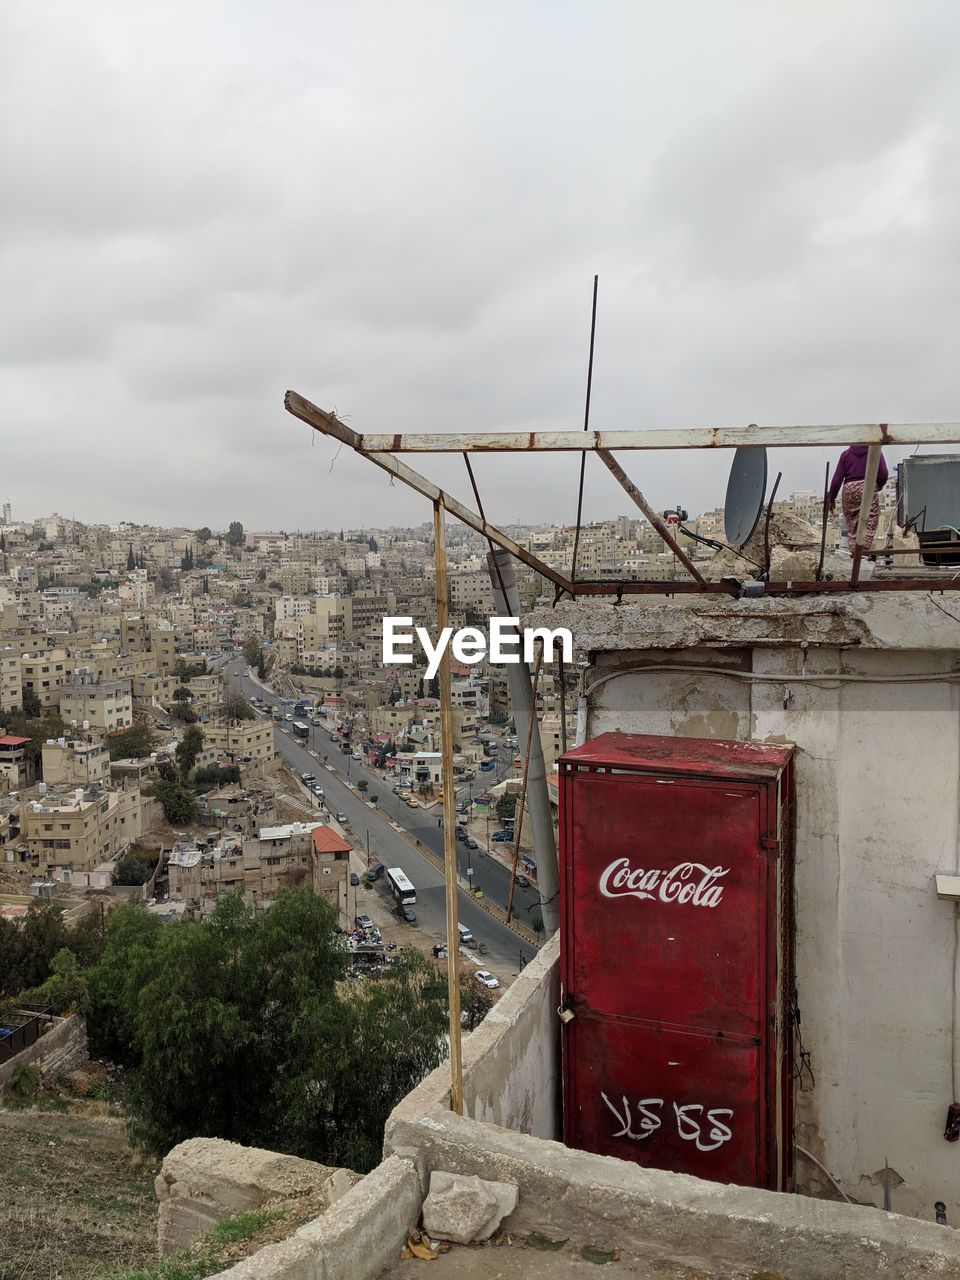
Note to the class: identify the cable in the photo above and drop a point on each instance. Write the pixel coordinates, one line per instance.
(834, 1183)
(819, 680)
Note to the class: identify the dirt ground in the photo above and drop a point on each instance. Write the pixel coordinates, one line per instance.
(74, 1201)
(519, 1261)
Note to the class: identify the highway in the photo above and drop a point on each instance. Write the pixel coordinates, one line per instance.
(504, 947)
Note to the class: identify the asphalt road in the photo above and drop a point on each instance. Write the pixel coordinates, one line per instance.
(388, 846)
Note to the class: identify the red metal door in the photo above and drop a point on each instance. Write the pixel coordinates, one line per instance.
(673, 905)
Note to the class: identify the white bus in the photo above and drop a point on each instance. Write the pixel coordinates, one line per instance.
(300, 729)
(401, 888)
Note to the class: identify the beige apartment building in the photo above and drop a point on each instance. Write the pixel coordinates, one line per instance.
(242, 740)
(74, 763)
(79, 829)
(11, 688)
(105, 704)
(44, 674)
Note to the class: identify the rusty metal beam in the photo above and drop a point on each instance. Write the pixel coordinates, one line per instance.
(630, 488)
(329, 425)
(837, 586)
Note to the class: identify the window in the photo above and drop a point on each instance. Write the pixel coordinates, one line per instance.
(48, 826)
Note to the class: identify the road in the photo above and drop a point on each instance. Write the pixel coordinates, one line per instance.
(388, 846)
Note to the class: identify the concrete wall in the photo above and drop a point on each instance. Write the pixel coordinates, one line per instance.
(511, 1062)
(58, 1050)
(877, 814)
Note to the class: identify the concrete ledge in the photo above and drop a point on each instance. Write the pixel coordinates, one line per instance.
(204, 1180)
(724, 1231)
(511, 1062)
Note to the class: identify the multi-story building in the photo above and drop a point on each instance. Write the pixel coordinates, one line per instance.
(74, 762)
(16, 768)
(246, 741)
(80, 829)
(104, 704)
(43, 674)
(11, 688)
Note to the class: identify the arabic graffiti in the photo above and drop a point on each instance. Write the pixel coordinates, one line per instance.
(689, 1117)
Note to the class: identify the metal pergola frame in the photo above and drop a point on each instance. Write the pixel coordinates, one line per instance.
(381, 450)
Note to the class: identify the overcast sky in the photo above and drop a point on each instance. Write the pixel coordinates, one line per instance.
(397, 209)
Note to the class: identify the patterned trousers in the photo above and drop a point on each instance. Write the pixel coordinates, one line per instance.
(852, 497)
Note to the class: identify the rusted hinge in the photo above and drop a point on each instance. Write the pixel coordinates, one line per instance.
(771, 845)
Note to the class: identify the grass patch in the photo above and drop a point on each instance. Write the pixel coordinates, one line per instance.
(211, 1254)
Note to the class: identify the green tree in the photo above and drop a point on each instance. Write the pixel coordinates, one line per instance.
(362, 786)
(182, 694)
(44, 934)
(30, 704)
(179, 802)
(188, 748)
(234, 536)
(135, 867)
(261, 666)
(507, 806)
(131, 561)
(204, 534)
(134, 743)
(65, 986)
(251, 651)
(114, 984)
(237, 708)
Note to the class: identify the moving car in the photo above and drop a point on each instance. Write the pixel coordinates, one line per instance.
(486, 979)
(471, 843)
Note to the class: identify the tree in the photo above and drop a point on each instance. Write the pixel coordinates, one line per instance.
(261, 666)
(255, 1001)
(251, 651)
(204, 534)
(188, 748)
(234, 536)
(179, 802)
(374, 798)
(165, 580)
(507, 806)
(134, 743)
(362, 786)
(182, 694)
(236, 708)
(135, 867)
(30, 704)
(131, 561)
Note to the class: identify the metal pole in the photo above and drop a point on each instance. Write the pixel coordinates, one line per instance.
(449, 818)
(538, 799)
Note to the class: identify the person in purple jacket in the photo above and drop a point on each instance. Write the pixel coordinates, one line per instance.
(850, 473)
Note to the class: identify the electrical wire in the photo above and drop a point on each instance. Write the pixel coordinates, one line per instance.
(819, 680)
(823, 1169)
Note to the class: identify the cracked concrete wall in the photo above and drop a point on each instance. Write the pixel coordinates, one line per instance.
(877, 816)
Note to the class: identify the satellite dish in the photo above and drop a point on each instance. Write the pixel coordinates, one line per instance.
(746, 489)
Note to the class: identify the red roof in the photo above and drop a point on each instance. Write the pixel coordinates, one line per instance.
(9, 740)
(327, 841)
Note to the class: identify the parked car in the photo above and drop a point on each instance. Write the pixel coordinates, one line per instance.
(363, 922)
(397, 788)
(523, 882)
(375, 871)
(357, 755)
(309, 777)
(341, 818)
(354, 879)
(486, 979)
(318, 792)
(501, 837)
(407, 913)
(471, 843)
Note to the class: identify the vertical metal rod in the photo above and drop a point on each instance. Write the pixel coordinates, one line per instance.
(561, 674)
(586, 427)
(522, 800)
(766, 527)
(538, 799)
(449, 818)
(826, 517)
(866, 502)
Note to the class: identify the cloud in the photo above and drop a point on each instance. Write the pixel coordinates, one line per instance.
(398, 211)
